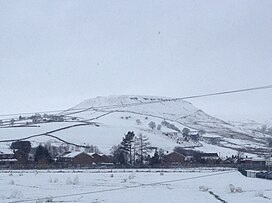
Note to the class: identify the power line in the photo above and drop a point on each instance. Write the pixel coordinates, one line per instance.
(227, 92)
(138, 103)
(124, 188)
(72, 110)
(181, 98)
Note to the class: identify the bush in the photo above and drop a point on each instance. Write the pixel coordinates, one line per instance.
(170, 126)
(152, 125)
(203, 188)
(138, 121)
(159, 127)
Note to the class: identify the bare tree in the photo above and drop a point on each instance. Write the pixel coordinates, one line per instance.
(142, 146)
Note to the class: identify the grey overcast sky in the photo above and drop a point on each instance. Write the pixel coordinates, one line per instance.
(54, 54)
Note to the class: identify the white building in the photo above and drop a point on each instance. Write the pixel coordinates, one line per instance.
(251, 173)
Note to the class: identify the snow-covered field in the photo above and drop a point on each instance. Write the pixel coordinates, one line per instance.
(120, 186)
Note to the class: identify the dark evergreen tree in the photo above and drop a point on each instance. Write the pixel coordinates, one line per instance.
(42, 154)
(118, 155)
(126, 146)
(24, 146)
(21, 150)
(157, 157)
(155, 160)
(161, 155)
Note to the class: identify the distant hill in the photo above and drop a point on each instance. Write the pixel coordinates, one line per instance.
(102, 121)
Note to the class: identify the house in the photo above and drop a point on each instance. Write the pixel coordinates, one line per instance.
(256, 163)
(7, 158)
(100, 158)
(253, 163)
(173, 158)
(75, 158)
(107, 159)
(97, 158)
(83, 158)
(231, 159)
(209, 158)
(251, 173)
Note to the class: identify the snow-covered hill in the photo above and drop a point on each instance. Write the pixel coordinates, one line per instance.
(102, 121)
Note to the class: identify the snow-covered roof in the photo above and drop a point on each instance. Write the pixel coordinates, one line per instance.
(254, 159)
(10, 160)
(76, 153)
(72, 154)
(91, 154)
(6, 151)
(252, 171)
(175, 153)
(211, 136)
(209, 155)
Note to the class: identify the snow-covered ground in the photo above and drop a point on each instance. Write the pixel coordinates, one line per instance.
(121, 186)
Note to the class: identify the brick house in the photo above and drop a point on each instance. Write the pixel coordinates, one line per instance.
(253, 163)
(83, 158)
(97, 158)
(173, 158)
(107, 159)
(75, 158)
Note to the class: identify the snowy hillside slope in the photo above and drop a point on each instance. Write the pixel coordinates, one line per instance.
(180, 113)
(103, 121)
(249, 124)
